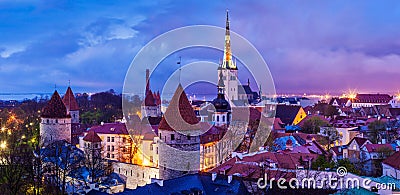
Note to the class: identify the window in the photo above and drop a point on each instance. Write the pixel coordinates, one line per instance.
(151, 159)
(223, 118)
(108, 148)
(124, 139)
(188, 137)
(56, 120)
(112, 139)
(151, 147)
(112, 156)
(96, 145)
(172, 136)
(108, 156)
(157, 150)
(217, 118)
(47, 121)
(112, 148)
(108, 139)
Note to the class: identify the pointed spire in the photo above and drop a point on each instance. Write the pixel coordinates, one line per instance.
(70, 101)
(221, 85)
(227, 61)
(55, 108)
(180, 114)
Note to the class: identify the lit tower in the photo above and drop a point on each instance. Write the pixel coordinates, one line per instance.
(55, 122)
(228, 67)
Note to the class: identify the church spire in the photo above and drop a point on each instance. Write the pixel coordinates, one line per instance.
(221, 85)
(227, 61)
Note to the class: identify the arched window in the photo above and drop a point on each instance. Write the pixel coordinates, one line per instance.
(217, 118)
(223, 118)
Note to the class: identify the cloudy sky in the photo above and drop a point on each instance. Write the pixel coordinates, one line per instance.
(317, 47)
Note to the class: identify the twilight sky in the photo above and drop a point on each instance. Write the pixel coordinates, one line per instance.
(318, 47)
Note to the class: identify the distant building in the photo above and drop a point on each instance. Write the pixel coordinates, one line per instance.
(151, 107)
(391, 165)
(369, 100)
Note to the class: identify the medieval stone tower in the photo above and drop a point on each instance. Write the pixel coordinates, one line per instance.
(228, 68)
(179, 144)
(71, 105)
(55, 122)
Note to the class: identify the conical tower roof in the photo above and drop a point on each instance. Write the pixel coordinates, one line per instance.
(92, 137)
(179, 115)
(70, 101)
(55, 108)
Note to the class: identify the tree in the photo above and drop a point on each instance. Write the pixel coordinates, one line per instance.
(376, 129)
(348, 165)
(330, 111)
(322, 163)
(313, 124)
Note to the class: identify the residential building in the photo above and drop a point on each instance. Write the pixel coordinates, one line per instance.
(391, 165)
(115, 141)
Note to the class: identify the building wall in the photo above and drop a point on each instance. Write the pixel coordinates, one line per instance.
(178, 154)
(74, 116)
(136, 175)
(208, 157)
(55, 129)
(231, 83)
(115, 146)
(390, 171)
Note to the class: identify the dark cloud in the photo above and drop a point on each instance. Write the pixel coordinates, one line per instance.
(314, 47)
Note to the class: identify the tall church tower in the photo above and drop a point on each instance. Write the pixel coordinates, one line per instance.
(228, 67)
(55, 122)
(179, 144)
(71, 105)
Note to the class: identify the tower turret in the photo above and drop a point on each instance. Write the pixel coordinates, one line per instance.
(55, 122)
(179, 144)
(71, 105)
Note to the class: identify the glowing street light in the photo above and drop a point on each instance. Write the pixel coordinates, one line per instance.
(3, 145)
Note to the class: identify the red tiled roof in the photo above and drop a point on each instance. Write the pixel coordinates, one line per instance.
(110, 128)
(372, 98)
(359, 140)
(179, 108)
(55, 108)
(249, 166)
(377, 147)
(393, 161)
(215, 133)
(278, 124)
(70, 101)
(92, 136)
(149, 99)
